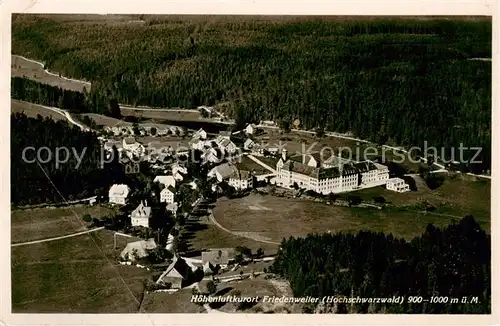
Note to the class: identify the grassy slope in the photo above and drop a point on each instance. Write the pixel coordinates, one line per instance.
(72, 275)
(41, 223)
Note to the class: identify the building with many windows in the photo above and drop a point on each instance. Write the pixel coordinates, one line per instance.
(397, 184)
(306, 172)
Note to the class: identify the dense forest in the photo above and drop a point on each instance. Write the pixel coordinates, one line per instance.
(453, 262)
(34, 182)
(402, 81)
(31, 91)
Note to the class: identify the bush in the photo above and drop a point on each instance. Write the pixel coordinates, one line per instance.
(87, 218)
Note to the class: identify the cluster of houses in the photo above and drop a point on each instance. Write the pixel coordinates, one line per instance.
(308, 171)
(145, 129)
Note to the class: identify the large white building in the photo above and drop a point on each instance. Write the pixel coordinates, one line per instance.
(141, 215)
(167, 195)
(118, 194)
(397, 184)
(306, 172)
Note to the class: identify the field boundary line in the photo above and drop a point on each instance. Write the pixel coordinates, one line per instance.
(56, 238)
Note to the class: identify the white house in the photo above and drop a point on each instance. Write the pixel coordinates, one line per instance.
(241, 180)
(210, 155)
(226, 144)
(397, 184)
(118, 194)
(250, 129)
(166, 180)
(200, 134)
(138, 249)
(248, 144)
(141, 215)
(167, 195)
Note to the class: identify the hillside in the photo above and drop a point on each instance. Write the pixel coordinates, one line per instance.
(391, 80)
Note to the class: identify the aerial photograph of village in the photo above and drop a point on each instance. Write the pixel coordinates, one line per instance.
(250, 164)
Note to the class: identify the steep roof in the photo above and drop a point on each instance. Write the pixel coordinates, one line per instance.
(141, 247)
(166, 180)
(178, 268)
(119, 190)
(142, 211)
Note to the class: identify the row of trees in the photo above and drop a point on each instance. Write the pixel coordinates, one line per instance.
(362, 77)
(453, 262)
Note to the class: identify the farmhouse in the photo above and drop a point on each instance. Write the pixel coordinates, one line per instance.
(167, 195)
(178, 274)
(200, 134)
(241, 180)
(248, 144)
(397, 184)
(118, 194)
(226, 144)
(222, 172)
(166, 180)
(141, 215)
(138, 249)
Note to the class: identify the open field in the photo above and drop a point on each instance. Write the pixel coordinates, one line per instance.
(459, 195)
(40, 223)
(22, 67)
(103, 120)
(163, 302)
(275, 218)
(213, 237)
(172, 115)
(33, 110)
(73, 275)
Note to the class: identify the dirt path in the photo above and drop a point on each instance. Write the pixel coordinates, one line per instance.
(248, 235)
(55, 238)
(264, 165)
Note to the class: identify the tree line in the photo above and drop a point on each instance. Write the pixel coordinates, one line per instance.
(396, 81)
(35, 182)
(453, 262)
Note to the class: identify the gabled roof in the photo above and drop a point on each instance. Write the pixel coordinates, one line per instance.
(141, 211)
(119, 190)
(166, 180)
(169, 189)
(225, 170)
(178, 268)
(141, 247)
